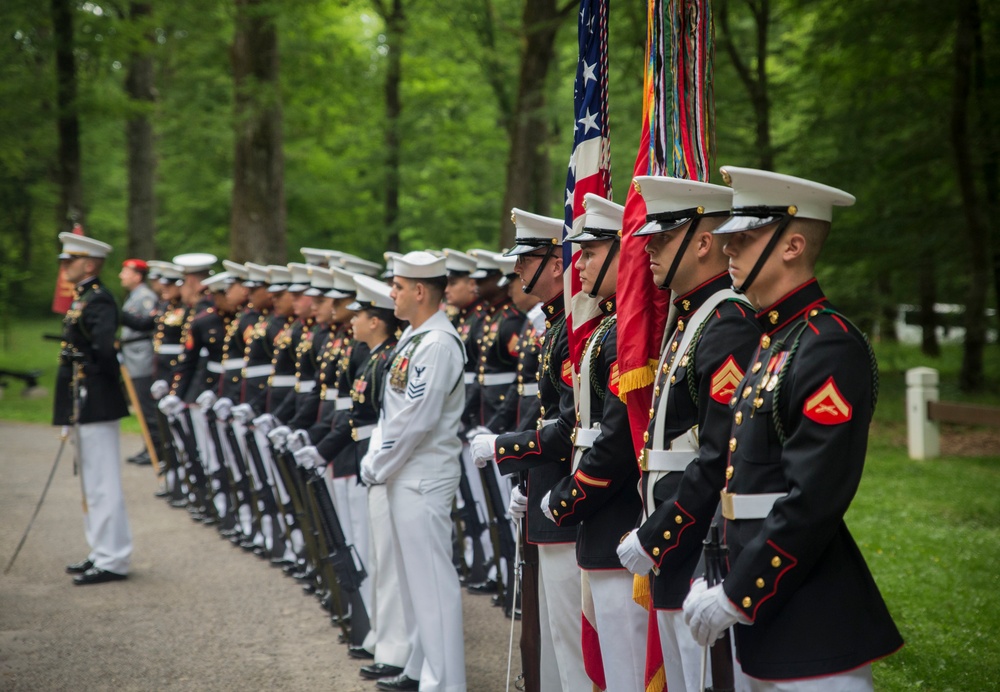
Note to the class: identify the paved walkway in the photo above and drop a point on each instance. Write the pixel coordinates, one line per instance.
(195, 613)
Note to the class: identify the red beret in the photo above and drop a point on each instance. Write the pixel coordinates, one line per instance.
(137, 264)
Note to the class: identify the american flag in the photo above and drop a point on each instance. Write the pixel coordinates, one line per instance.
(590, 162)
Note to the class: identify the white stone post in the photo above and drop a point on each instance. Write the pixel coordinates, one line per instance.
(922, 434)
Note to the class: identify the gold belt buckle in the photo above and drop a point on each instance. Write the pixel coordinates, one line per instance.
(354, 434)
(572, 436)
(727, 505)
(644, 460)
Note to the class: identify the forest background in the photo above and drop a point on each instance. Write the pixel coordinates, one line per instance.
(250, 128)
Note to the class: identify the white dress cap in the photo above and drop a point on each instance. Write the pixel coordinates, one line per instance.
(672, 202)
(321, 281)
(218, 283)
(506, 263)
(389, 256)
(236, 271)
(256, 273)
(801, 198)
(343, 283)
(357, 265)
(167, 271)
(487, 262)
(278, 277)
(458, 263)
(419, 265)
(74, 245)
(194, 262)
(533, 231)
(318, 256)
(602, 220)
(301, 276)
(371, 293)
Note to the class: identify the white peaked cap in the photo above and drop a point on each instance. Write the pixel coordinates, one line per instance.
(754, 188)
(236, 270)
(194, 262)
(278, 277)
(301, 276)
(662, 194)
(343, 283)
(256, 272)
(371, 293)
(321, 281)
(486, 261)
(218, 282)
(419, 265)
(167, 271)
(317, 256)
(358, 265)
(506, 263)
(458, 262)
(533, 231)
(74, 245)
(602, 220)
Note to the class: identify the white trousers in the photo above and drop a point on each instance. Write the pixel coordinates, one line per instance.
(420, 513)
(857, 680)
(476, 486)
(105, 523)
(559, 618)
(388, 639)
(351, 502)
(621, 630)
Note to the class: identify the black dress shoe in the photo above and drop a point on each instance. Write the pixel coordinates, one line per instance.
(140, 458)
(400, 682)
(97, 576)
(364, 654)
(161, 493)
(488, 586)
(79, 567)
(380, 670)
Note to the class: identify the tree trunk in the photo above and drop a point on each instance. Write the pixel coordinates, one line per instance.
(528, 166)
(971, 375)
(258, 218)
(395, 32)
(141, 159)
(927, 291)
(70, 208)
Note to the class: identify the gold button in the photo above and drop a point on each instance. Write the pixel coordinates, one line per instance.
(645, 436)
(673, 379)
(732, 444)
(775, 561)
(562, 503)
(747, 602)
(772, 317)
(758, 402)
(678, 519)
(651, 414)
(656, 391)
(813, 312)
(555, 512)
(531, 445)
(517, 448)
(666, 535)
(746, 391)
(765, 341)
(760, 583)
(656, 551)
(673, 347)
(684, 362)
(729, 473)
(739, 417)
(574, 492)
(501, 450)
(756, 367)
(680, 325)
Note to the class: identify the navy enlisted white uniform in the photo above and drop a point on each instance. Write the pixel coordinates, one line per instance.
(710, 336)
(810, 615)
(89, 340)
(418, 461)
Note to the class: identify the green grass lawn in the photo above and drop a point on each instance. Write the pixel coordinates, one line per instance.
(929, 529)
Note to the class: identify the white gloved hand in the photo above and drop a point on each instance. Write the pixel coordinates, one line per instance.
(159, 389)
(243, 413)
(478, 430)
(265, 423)
(482, 449)
(367, 471)
(279, 437)
(206, 399)
(171, 406)
(297, 440)
(536, 316)
(709, 613)
(308, 457)
(223, 408)
(518, 505)
(545, 507)
(633, 556)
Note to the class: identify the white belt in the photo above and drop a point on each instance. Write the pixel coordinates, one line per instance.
(546, 422)
(469, 377)
(279, 380)
(342, 403)
(330, 394)
(665, 460)
(755, 506)
(584, 437)
(497, 378)
(530, 389)
(212, 366)
(305, 386)
(234, 363)
(170, 349)
(258, 370)
(362, 433)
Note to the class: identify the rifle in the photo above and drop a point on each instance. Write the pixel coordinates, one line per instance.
(224, 476)
(530, 627)
(170, 462)
(500, 536)
(266, 494)
(722, 649)
(245, 485)
(192, 461)
(474, 528)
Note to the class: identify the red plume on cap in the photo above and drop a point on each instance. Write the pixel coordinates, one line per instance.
(137, 264)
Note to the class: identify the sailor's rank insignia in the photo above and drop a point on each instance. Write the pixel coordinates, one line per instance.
(828, 406)
(725, 381)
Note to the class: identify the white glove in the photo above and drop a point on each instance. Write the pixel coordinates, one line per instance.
(265, 423)
(308, 457)
(243, 413)
(518, 505)
(368, 471)
(159, 389)
(633, 556)
(478, 430)
(545, 507)
(171, 406)
(537, 318)
(206, 399)
(223, 408)
(279, 437)
(482, 449)
(297, 440)
(709, 613)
